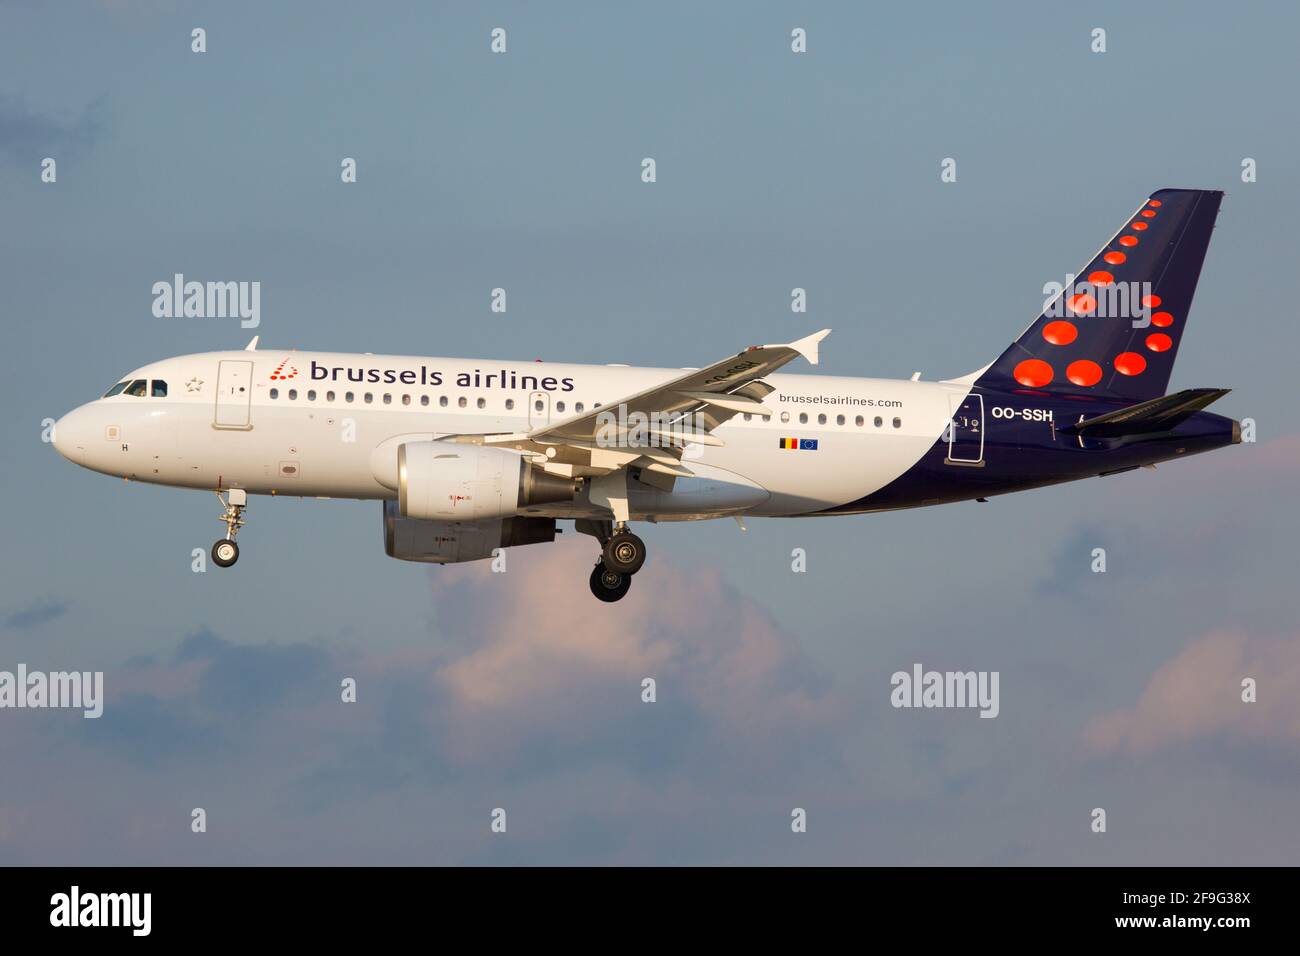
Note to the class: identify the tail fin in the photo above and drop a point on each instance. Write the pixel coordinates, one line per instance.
(1115, 332)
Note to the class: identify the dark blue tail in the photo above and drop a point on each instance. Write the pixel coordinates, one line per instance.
(1114, 331)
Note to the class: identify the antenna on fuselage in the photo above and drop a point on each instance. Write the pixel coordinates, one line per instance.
(252, 346)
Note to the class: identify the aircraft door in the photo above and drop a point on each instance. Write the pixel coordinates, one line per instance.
(966, 430)
(234, 394)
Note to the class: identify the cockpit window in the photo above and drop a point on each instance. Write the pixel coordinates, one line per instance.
(159, 389)
(138, 388)
(116, 388)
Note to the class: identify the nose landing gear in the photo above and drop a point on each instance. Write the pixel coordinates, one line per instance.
(225, 552)
(622, 555)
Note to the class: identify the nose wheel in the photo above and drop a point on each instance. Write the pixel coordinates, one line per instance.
(225, 552)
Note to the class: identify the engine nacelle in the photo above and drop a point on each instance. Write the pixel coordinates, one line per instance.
(448, 542)
(445, 481)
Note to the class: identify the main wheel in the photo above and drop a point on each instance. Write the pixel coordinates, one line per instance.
(225, 553)
(624, 552)
(609, 586)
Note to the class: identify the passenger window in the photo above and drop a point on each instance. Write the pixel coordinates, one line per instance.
(348, 398)
(559, 406)
(859, 421)
(370, 397)
(293, 395)
(803, 418)
(898, 423)
(785, 416)
(388, 398)
(879, 421)
(539, 404)
(329, 396)
(839, 419)
(443, 401)
(275, 393)
(461, 401)
(158, 389)
(578, 407)
(746, 416)
(138, 388)
(821, 419)
(406, 399)
(116, 389)
(424, 399)
(311, 395)
(482, 403)
(510, 403)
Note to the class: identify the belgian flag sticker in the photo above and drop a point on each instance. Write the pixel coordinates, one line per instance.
(799, 444)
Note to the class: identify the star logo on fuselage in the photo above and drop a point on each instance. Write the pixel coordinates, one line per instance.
(194, 385)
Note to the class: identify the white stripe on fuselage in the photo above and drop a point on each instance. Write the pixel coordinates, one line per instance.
(301, 446)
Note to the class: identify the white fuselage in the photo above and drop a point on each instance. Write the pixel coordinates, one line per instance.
(302, 424)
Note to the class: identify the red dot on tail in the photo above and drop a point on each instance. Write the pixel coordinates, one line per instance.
(1100, 277)
(1129, 241)
(1159, 342)
(1082, 303)
(1033, 373)
(1150, 301)
(1060, 332)
(1130, 363)
(1115, 258)
(1162, 319)
(1084, 372)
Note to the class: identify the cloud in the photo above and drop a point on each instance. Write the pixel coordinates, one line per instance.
(500, 703)
(1196, 697)
(713, 653)
(27, 137)
(39, 612)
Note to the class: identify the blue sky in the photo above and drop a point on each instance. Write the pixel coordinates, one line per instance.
(775, 170)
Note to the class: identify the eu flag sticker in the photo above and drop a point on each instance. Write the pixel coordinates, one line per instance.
(808, 444)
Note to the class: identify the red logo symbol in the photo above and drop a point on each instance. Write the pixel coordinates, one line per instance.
(281, 375)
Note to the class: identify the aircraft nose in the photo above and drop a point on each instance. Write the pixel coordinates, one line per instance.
(69, 437)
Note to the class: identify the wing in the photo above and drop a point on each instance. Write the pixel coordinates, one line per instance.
(648, 431)
(713, 394)
(651, 428)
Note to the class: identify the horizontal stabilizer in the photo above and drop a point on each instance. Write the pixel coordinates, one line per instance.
(1155, 415)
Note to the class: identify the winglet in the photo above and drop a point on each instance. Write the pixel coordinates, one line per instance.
(807, 346)
(252, 346)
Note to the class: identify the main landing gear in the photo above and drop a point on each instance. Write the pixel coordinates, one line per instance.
(622, 554)
(225, 552)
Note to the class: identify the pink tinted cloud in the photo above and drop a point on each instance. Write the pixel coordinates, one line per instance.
(1197, 696)
(537, 650)
(1256, 468)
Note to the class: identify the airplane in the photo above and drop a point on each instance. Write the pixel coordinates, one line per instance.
(472, 456)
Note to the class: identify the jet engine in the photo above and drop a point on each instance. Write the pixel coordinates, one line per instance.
(448, 542)
(444, 481)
